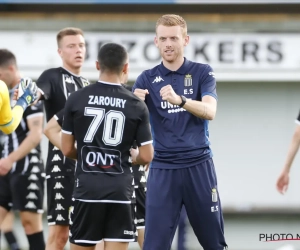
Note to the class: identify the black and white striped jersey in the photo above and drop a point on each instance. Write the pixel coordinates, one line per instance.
(33, 161)
(105, 120)
(56, 85)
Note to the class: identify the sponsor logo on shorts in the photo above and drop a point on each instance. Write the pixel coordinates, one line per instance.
(128, 232)
(140, 220)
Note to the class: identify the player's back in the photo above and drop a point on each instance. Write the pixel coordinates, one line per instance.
(105, 122)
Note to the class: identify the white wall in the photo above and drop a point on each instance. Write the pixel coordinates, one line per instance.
(250, 138)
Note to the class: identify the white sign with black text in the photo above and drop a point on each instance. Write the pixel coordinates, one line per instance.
(234, 57)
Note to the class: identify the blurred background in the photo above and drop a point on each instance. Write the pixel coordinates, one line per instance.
(253, 47)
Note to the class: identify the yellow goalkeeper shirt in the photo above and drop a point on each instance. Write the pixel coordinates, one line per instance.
(9, 118)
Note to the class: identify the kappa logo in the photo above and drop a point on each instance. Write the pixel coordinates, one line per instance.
(68, 79)
(59, 207)
(33, 151)
(33, 186)
(58, 196)
(35, 169)
(143, 179)
(58, 185)
(34, 159)
(32, 196)
(133, 195)
(60, 218)
(141, 168)
(33, 177)
(30, 205)
(212, 74)
(56, 169)
(56, 158)
(55, 148)
(158, 79)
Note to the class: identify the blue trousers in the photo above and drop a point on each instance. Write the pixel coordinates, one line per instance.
(195, 188)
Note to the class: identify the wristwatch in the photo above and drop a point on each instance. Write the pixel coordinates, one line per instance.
(183, 99)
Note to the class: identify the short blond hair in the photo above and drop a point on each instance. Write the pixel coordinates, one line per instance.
(69, 31)
(170, 20)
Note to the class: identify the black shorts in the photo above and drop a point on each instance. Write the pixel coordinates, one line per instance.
(140, 211)
(59, 198)
(23, 192)
(92, 222)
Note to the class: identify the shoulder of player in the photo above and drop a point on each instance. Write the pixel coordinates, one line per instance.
(3, 86)
(51, 73)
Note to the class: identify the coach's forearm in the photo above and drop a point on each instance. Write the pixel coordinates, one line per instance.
(200, 109)
(29, 143)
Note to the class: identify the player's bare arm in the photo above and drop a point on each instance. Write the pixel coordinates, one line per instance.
(141, 93)
(68, 146)
(34, 137)
(283, 179)
(53, 132)
(143, 155)
(205, 109)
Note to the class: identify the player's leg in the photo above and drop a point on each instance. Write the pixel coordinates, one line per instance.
(5, 197)
(59, 197)
(7, 229)
(203, 205)
(28, 195)
(119, 226)
(182, 230)
(100, 246)
(115, 245)
(140, 214)
(163, 206)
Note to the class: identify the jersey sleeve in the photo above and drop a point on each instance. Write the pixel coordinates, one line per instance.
(59, 117)
(68, 121)
(9, 118)
(208, 83)
(34, 110)
(140, 82)
(297, 121)
(44, 83)
(143, 134)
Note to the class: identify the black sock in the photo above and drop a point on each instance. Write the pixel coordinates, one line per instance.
(11, 240)
(36, 241)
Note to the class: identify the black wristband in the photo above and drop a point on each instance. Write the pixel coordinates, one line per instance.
(183, 99)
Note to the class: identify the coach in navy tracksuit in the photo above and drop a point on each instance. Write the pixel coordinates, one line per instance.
(181, 98)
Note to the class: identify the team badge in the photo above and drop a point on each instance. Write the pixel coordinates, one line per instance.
(214, 195)
(188, 81)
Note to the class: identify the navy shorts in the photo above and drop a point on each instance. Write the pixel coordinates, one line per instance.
(195, 188)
